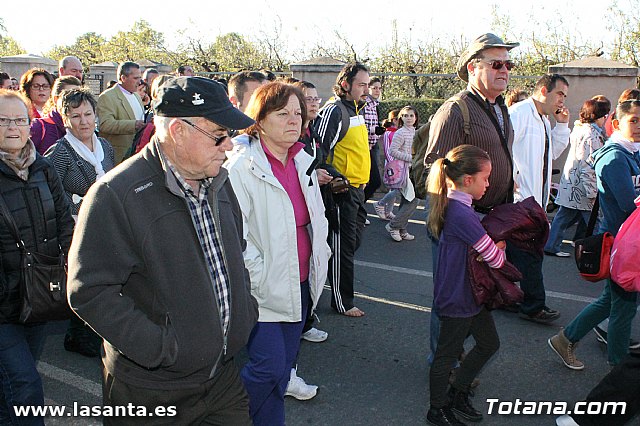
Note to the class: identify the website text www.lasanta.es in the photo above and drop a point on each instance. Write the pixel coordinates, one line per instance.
(79, 410)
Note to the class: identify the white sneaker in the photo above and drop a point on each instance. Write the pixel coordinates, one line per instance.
(367, 222)
(407, 236)
(314, 335)
(298, 389)
(395, 233)
(566, 420)
(381, 211)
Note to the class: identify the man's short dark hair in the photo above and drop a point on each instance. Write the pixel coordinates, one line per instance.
(238, 83)
(4, 76)
(125, 68)
(374, 80)
(549, 81)
(302, 84)
(181, 69)
(150, 71)
(269, 75)
(347, 74)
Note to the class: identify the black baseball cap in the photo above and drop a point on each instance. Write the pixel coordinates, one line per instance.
(199, 97)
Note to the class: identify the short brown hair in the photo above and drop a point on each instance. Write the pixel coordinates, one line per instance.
(592, 110)
(272, 97)
(27, 79)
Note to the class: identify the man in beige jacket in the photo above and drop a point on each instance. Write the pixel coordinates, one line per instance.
(120, 111)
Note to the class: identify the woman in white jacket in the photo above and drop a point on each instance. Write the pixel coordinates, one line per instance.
(578, 190)
(286, 231)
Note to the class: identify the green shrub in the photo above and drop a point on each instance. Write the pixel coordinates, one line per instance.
(425, 107)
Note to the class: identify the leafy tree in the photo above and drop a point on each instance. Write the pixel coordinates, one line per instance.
(231, 52)
(544, 43)
(626, 27)
(141, 42)
(88, 48)
(8, 46)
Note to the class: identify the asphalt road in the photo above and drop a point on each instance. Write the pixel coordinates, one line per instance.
(373, 370)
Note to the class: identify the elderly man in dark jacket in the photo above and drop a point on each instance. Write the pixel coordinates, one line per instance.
(156, 267)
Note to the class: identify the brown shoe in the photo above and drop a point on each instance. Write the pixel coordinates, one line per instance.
(565, 350)
(544, 316)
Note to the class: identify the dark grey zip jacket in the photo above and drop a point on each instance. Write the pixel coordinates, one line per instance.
(137, 275)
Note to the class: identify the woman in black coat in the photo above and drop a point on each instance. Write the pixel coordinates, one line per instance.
(33, 195)
(80, 158)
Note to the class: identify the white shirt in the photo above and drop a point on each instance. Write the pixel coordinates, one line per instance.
(528, 150)
(136, 106)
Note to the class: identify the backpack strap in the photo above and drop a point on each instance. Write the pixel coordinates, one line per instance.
(593, 217)
(464, 108)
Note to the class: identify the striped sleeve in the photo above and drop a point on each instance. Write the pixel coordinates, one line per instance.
(328, 125)
(490, 252)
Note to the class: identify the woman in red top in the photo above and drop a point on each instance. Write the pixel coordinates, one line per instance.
(36, 85)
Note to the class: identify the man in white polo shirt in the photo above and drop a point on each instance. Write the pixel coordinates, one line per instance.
(120, 112)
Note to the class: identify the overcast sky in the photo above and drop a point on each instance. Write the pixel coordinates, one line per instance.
(364, 23)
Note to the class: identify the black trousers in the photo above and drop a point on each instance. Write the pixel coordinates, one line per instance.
(374, 175)
(532, 283)
(344, 243)
(622, 384)
(220, 401)
(453, 332)
(308, 324)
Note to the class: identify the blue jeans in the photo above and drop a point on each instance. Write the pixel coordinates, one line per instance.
(272, 349)
(564, 218)
(20, 347)
(620, 307)
(389, 200)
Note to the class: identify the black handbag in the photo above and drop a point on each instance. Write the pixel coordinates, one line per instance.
(43, 280)
(593, 253)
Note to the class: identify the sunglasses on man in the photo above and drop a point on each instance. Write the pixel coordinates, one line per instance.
(497, 64)
(217, 140)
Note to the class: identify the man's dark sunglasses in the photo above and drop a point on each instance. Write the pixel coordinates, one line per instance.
(496, 64)
(629, 101)
(218, 140)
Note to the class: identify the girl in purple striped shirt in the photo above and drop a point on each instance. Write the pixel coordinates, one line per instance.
(454, 182)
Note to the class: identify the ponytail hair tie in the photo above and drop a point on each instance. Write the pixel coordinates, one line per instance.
(446, 161)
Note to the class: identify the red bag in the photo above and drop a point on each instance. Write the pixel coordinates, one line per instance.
(625, 268)
(593, 253)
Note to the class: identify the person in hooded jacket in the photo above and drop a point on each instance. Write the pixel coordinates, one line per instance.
(578, 191)
(617, 167)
